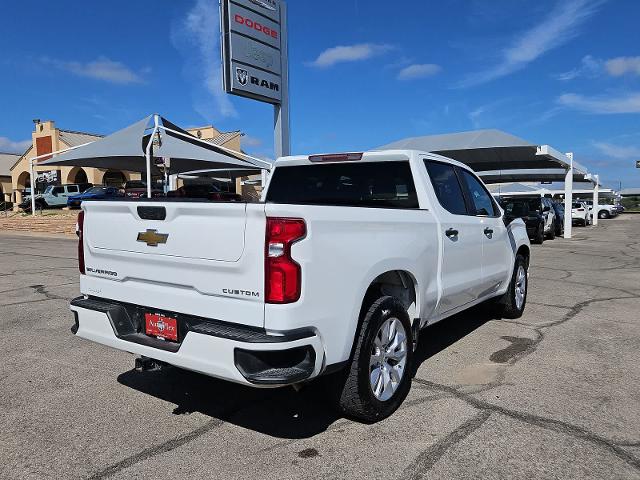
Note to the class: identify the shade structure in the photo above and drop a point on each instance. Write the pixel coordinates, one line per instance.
(126, 150)
(529, 175)
(485, 150)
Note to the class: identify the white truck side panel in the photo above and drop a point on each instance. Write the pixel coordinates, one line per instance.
(344, 251)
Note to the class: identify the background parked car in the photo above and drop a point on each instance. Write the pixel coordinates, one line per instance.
(544, 206)
(138, 189)
(603, 211)
(55, 196)
(526, 209)
(580, 214)
(93, 193)
(208, 192)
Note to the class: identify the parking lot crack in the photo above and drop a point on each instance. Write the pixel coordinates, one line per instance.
(156, 450)
(558, 426)
(427, 459)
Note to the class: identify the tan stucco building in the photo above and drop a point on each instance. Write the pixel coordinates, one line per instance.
(47, 138)
(7, 160)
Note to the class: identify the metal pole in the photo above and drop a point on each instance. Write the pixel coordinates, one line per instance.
(148, 154)
(281, 133)
(568, 197)
(596, 181)
(32, 181)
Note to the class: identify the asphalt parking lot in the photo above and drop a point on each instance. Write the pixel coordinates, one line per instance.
(555, 394)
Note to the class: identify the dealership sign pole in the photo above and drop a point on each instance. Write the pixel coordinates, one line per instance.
(254, 57)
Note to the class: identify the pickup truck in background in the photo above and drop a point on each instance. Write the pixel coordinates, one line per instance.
(603, 211)
(333, 273)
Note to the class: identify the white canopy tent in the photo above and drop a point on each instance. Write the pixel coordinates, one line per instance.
(150, 144)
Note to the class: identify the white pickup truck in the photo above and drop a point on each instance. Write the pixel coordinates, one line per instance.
(334, 271)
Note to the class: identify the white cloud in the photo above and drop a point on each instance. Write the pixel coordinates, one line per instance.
(9, 146)
(349, 53)
(622, 65)
(629, 103)
(196, 37)
(589, 67)
(419, 71)
(561, 25)
(100, 69)
(249, 141)
(618, 151)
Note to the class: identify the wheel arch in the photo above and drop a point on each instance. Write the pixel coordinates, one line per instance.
(400, 284)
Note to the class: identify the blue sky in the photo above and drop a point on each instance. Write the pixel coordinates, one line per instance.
(363, 73)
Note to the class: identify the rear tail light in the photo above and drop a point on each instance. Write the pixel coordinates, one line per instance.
(80, 233)
(283, 276)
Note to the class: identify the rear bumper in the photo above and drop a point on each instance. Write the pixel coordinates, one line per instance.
(227, 351)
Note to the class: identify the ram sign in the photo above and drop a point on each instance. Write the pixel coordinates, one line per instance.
(252, 49)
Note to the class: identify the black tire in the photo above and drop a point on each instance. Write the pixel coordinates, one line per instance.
(352, 389)
(539, 237)
(507, 304)
(603, 214)
(552, 231)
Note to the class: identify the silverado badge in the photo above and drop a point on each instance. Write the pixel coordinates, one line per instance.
(152, 238)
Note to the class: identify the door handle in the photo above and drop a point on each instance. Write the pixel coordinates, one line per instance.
(452, 232)
(488, 231)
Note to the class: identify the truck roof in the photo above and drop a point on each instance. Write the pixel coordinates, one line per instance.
(368, 156)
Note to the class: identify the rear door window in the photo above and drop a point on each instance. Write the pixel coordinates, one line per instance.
(72, 189)
(447, 187)
(367, 184)
(480, 197)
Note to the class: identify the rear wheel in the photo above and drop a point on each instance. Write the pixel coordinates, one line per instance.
(379, 376)
(539, 236)
(512, 303)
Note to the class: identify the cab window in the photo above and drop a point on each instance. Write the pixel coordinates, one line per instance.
(480, 198)
(447, 187)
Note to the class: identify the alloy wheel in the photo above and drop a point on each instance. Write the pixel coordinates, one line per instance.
(388, 359)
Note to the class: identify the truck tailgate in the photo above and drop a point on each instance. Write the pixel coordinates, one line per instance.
(202, 258)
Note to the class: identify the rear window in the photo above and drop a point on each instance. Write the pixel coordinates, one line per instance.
(374, 184)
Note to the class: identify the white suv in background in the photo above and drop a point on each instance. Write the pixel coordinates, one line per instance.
(580, 214)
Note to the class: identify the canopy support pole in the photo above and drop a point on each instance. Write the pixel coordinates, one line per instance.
(32, 181)
(148, 154)
(596, 181)
(568, 197)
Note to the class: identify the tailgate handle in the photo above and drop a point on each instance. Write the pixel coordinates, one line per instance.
(152, 213)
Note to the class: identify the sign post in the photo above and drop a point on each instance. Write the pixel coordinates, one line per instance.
(254, 56)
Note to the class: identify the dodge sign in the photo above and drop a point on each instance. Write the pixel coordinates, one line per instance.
(252, 49)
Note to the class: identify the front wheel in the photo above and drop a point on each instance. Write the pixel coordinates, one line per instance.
(379, 376)
(512, 303)
(552, 231)
(603, 214)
